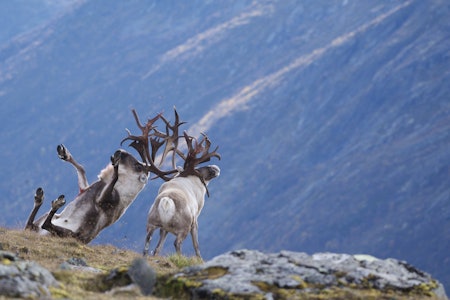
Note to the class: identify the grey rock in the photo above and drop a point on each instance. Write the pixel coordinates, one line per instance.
(77, 261)
(246, 271)
(25, 279)
(142, 274)
(79, 264)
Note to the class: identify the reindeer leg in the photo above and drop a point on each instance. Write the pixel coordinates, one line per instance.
(181, 236)
(148, 239)
(194, 234)
(162, 239)
(48, 225)
(38, 200)
(108, 189)
(65, 155)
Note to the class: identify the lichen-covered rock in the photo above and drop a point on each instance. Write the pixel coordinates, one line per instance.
(24, 279)
(288, 275)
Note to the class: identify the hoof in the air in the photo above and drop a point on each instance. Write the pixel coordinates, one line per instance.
(63, 153)
(39, 196)
(115, 159)
(58, 203)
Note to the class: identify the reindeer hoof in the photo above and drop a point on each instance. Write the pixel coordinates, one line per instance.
(58, 203)
(116, 158)
(62, 152)
(39, 196)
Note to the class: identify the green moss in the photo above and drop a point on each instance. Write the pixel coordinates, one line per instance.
(263, 286)
(218, 293)
(76, 281)
(426, 289)
(59, 293)
(301, 283)
(115, 278)
(84, 281)
(175, 287)
(179, 287)
(215, 272)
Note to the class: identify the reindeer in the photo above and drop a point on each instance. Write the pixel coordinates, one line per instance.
(179, 201)
(181, 198)
(97, 205)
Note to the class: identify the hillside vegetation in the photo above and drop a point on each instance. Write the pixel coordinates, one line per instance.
(52, 252)
(331, 117)
(106, 272)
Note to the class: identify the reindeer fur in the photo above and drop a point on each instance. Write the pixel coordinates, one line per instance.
(98, 205)
(177, 207)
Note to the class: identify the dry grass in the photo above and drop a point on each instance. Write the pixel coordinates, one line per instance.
(50, 252)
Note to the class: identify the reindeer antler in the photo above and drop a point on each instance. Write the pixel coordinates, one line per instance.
(171, 140)
(192, 160)
(197, 151)
(141, 144)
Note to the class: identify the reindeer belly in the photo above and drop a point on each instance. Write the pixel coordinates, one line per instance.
(74, 219)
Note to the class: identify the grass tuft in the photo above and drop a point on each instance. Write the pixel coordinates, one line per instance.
(181, 261)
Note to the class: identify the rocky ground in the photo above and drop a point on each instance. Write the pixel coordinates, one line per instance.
(33, 266)
(294, 275)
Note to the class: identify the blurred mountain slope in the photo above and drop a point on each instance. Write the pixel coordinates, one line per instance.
(332, 119)
(20, 16)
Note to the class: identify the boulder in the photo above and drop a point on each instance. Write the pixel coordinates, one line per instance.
(252, 274)
(24, 279)
(142, 274)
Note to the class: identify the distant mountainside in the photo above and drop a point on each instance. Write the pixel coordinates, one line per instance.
(333, 118)
(21, 16)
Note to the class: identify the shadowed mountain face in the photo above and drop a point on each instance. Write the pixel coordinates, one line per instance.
(333, 120)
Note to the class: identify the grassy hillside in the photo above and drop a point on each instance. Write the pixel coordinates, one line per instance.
(106, 274)
(332, 118)
(50, 252)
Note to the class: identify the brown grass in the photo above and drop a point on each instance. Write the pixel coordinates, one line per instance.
(50, 252)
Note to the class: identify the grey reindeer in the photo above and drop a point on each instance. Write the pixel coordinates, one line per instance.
(99, 204)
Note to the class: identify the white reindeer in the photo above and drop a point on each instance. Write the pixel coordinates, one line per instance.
(180, 199)
(177, 207)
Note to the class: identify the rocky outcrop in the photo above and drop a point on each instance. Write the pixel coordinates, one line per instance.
(24, 279)
(242, 274)
(288, 275)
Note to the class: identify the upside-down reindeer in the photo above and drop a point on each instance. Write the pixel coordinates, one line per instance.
(97, 205)
(103, 202)
(181, 198)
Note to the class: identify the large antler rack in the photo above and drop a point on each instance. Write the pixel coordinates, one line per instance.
(141, 145)
(198, 152)
(171, 140)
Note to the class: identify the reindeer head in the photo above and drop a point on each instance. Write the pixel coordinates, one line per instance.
(198, 153)
(208, 173)
(131, 167)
